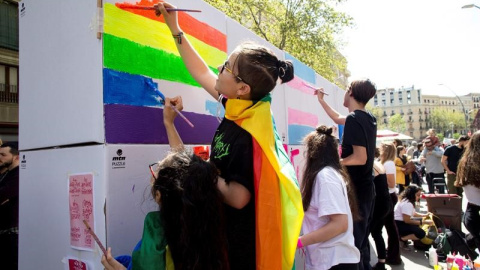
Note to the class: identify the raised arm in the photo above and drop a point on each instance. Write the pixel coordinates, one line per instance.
(334, 115)
(169, 115)
(194, 63)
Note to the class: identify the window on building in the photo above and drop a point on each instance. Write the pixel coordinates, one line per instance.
(8, 84)
(9, 25)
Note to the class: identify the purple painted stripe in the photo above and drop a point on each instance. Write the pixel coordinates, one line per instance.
(144, 125)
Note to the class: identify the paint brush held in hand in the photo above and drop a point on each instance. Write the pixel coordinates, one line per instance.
(162, 96)
(131, 6)
(314, 88)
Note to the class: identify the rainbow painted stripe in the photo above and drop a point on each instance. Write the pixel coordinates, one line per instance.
(138, 48)
(278, 202)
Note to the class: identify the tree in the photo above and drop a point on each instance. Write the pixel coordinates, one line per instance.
(397, 123)
(443, 119)
(378, 113)
(307, 29)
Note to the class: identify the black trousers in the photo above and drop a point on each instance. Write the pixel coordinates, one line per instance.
(430, 177)
(472, 222)
(9, 251)
(361, 229)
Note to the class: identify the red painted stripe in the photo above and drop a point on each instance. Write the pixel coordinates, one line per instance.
(190, 25)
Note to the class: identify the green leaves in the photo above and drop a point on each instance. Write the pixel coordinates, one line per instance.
(306, 29)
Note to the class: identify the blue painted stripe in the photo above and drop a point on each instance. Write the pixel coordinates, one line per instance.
(129, 89)
(340, 131)
(212, 106)
(296, 133)
(301, 70)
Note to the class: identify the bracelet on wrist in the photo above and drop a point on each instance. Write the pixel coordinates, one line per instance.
(178, 37)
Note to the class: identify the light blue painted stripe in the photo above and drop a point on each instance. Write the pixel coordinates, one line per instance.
(301, 70)
(296, 133)
(129, 89)
(211, 108)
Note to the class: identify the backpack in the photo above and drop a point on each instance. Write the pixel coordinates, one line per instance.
(453, 241)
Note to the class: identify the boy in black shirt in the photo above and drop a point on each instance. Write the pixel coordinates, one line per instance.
(358, 153)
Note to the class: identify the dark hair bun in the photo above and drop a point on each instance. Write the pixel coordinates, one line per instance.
(324, 130)
(285, 70)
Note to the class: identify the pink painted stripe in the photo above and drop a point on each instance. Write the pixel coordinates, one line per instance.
(298, 84)
(296, 117)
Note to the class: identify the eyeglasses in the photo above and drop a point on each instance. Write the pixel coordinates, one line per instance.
(224, 67)
(153, 168)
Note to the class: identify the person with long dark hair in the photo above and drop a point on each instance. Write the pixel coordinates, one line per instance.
(248, 152)
(191, 217)
(468, 177)
(329, 204)
(408, 227)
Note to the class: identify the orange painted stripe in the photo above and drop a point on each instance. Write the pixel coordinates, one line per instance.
(268, 218)
(190, 25)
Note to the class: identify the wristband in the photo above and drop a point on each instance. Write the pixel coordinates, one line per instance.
(178, 37)
(299, 243)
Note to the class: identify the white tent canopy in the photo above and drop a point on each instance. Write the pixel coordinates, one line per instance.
(388, 135)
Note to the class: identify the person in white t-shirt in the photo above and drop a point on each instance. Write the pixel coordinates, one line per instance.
(329, 205)
(404, 212)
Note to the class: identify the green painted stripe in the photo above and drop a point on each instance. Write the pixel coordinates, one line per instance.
(123, 55)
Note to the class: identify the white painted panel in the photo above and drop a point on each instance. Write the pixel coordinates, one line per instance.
(44, 221)
(61, 98)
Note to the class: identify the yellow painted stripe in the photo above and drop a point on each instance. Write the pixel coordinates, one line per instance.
(144, 31)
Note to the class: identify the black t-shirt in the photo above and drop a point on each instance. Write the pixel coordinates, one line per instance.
(360, 130)
(454, 154)
(232, 154)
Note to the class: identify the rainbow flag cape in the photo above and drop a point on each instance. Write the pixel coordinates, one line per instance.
(278, 202)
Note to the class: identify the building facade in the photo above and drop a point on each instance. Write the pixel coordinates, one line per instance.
(416, 109)
(9, 86)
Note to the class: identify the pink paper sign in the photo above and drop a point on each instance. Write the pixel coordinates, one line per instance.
(80, 192)
(76, 265)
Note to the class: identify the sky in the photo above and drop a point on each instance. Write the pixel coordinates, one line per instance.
(423, 43)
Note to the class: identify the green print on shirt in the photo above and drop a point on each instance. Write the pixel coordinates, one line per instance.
(221, 148)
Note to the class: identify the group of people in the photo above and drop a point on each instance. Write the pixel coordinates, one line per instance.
(340, 194)
(208, 208)
(207, 216)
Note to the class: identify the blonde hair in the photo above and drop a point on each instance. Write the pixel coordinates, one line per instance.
(388, 152)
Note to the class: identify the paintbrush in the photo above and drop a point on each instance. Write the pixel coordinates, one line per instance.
(174, 108)
(314, 88)
(131, 6)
